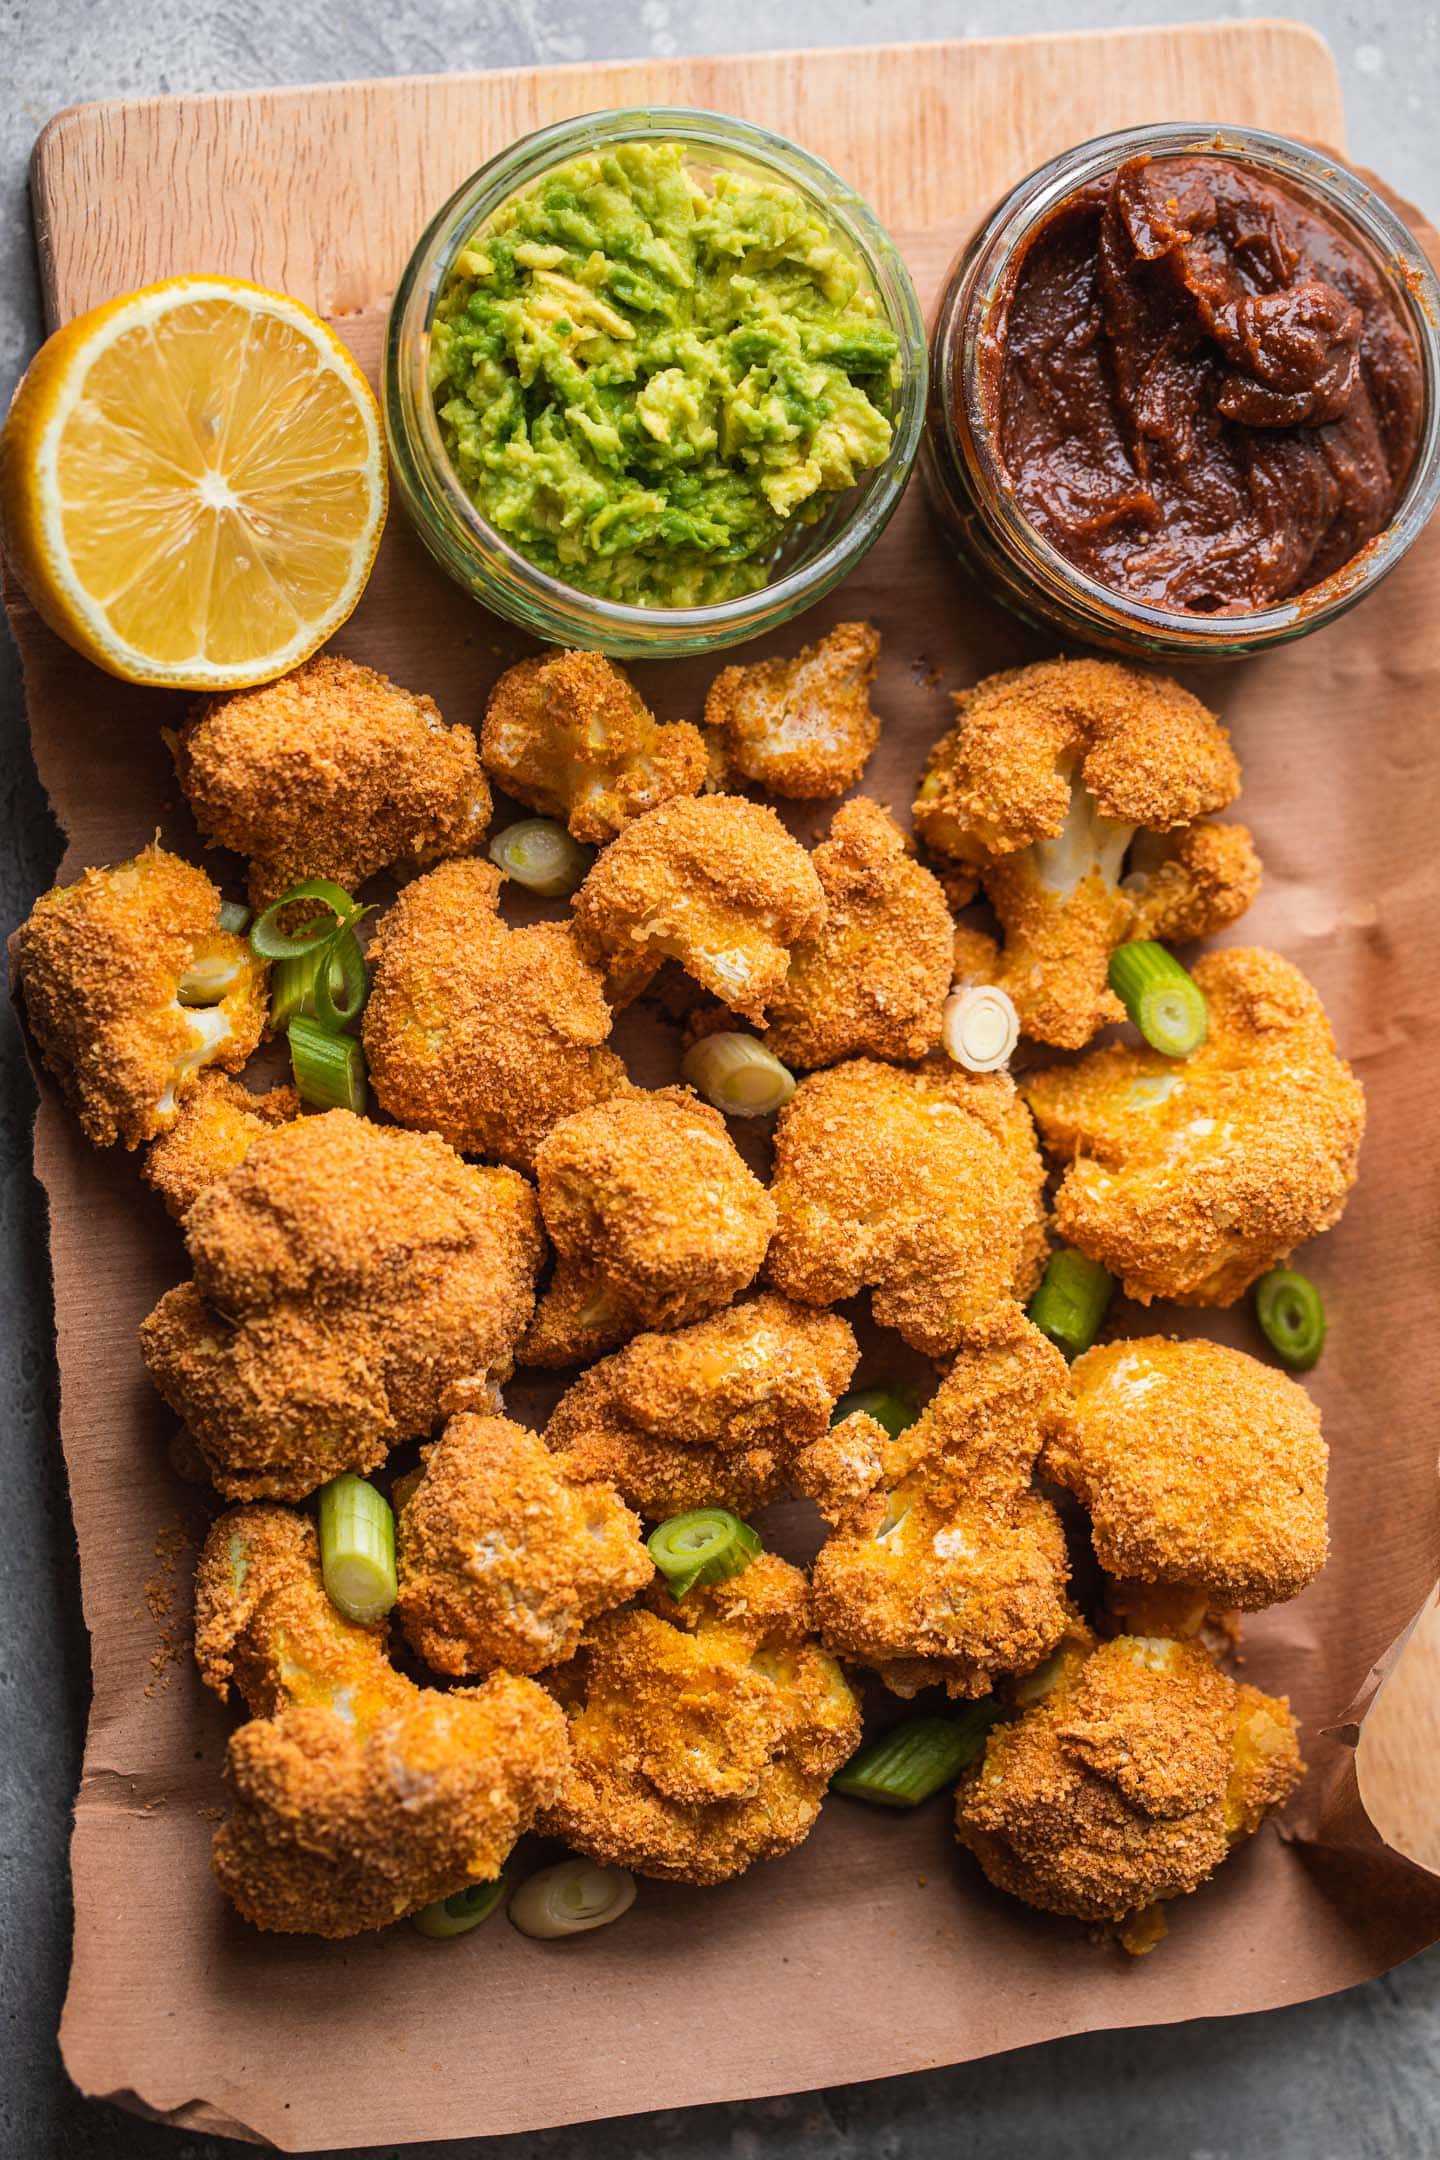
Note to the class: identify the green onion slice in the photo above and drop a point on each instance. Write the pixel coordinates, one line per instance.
(894, 1408)
(571, 1898)
(1162, 999)
(269, 942)
(737, 1074)
(458, 1914)
(357, 1548)
(330, 1072)
(234, 916)
(328, 981)
(542, 856)
(1072, 1300)
(707, 1545)
(914, 1760)
(1291, 1314)
(979, 1027)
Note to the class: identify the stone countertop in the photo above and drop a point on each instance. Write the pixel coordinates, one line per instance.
(1350, 2078)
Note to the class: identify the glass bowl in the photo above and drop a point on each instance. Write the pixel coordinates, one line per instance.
(465, 545)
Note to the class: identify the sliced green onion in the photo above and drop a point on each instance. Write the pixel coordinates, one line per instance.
(330, 1071)
(979, 1028)
(1162, 999)
(894, 1408)
(541, 856)
(269, 942)
(737, 1074)
(341, 983)
(707, 1545)
(1291, 1314)
(234, 917)
(910, 1763)
(458, 1914)
(1072, 1300)
(357, 1548)
(571, 1898)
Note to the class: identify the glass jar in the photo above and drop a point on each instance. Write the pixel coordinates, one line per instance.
(810, 563)
(974, 495)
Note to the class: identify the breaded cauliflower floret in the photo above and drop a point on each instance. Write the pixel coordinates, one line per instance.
(505, 1552)
(716, 883)
(348, 1277)
(356, 1796)
(702, 1741)
(1037, 792)
(924, 1185)
(873, 983)
(1128, 1783)
(953, 1570)
(219, 1122)
(131, 987)
(1199, 1466)
(333, 771)
(570, 736)
(1190, 1177)
(1188, 884)
(654, 1218)
(484, 1034)
(727, 1412)
(803, 727)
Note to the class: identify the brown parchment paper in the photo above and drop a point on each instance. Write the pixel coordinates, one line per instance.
(875, 1948)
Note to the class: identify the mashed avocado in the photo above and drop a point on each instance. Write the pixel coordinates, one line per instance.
(643, 381)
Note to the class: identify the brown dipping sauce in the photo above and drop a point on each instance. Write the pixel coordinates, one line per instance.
(1200, 389)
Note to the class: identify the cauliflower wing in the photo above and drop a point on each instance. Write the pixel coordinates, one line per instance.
(727, 1412)
(1127, 1784)
(1199, 1467)
(347, 1278)
(654, 1218)
(702, 1741)
(953, 1569)
(483, 1034)
(357, 1796)
(218, 1123)
(873, 983)
(924, 1185)
(1038, 791)
(803, 727)
(1188, 884)
(505, 1553)
(570, 736)
(333, 771)
(714, 882)
(131, 988)
(1188, 1179)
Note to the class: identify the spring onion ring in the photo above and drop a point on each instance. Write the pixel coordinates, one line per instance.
(459, 1913)
(706, 1545)
(1072, 1300)
(269, 942)
(571, 1898)
(1291, 1314)
(330, 1071)
(1161, 998)
(542, 856)
(737, 1074)
(914, 1760)
(979, 1028)
(357, 1548)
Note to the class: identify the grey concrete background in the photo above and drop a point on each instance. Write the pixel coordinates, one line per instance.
(1348, 2079)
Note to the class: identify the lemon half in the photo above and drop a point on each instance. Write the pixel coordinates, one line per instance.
(192, 481)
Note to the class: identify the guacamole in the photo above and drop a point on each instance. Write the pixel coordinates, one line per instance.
(644, 381)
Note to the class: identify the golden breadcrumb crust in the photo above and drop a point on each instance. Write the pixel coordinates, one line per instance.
(357, 1796)
(217, 1125)
(1192, 883)
(483, 1034)
(802, 727)
(333, 771)
(347, 1277)
(874, 982)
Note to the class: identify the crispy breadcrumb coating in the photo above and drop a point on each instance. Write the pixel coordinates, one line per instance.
(347, 1278)
(953, 1569)
(1191, 883)
(131, 988)
(505, 1553)
(1128, 1783)
(873, 983)
(727, 1412)
(1190, 1177)
(484, 1034)
(803, 727)
(702, 1741)
(655, 1221)
(924, 1185)
(1037, 792)
(333, 771)
(716, 883)
(570, 736)
(218, 1123)
(356, 1796)
(1199, 1466)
